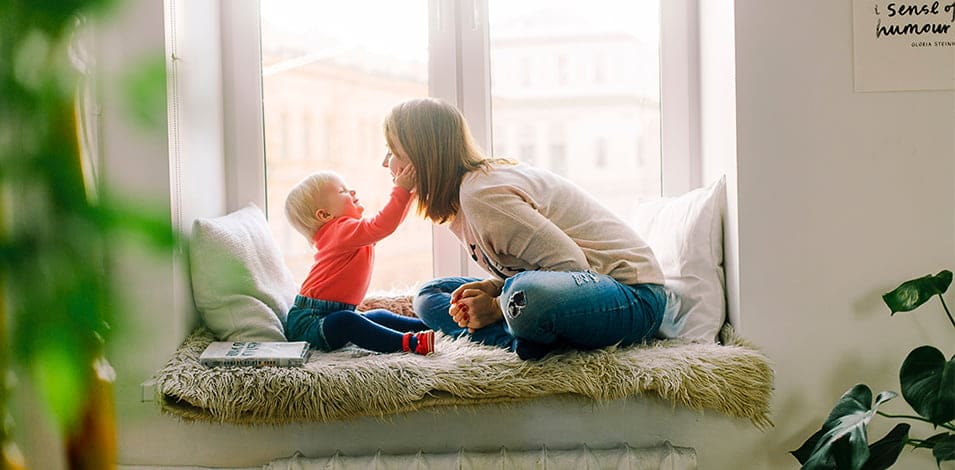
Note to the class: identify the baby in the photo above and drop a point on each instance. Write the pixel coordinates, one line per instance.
(328, 213)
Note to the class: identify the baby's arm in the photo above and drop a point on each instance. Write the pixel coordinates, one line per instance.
(361, 232)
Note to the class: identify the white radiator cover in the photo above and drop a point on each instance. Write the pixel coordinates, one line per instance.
(664, 457)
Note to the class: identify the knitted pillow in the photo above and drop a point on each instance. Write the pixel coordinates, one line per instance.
(241, 286)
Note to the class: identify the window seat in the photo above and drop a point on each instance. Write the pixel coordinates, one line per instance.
(732, 378)
(242, 290)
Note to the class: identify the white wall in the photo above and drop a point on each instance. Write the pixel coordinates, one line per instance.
(181, 172)
(136, 164)
(840, 196)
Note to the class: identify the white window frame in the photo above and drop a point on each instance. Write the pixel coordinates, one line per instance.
(243, 116)
(459, 29)
(680, 135)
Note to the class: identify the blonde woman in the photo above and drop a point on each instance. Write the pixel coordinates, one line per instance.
(565, 272)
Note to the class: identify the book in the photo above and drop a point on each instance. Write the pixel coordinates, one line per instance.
(254, 354)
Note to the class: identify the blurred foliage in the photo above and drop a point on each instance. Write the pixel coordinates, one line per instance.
(59, 303)
(140, 96)
(928, 386)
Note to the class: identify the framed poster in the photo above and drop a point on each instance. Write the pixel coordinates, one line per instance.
(903, 45)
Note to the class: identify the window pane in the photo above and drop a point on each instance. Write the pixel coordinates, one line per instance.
(331, 71)
(575, 89)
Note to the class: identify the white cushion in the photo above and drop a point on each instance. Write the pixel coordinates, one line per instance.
(241, 286)
(686, 235)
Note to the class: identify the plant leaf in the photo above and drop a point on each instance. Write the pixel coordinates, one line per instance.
(804, 451)
(137, 218)
(942, 280)
(930, 442)
(928, 384)
(944, 449)
(911, 294)
(843, 452)
(144, 90)
(842, 440)
(884, 452)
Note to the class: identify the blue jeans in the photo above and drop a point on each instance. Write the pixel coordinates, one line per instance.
(579, 310)
(329, 325)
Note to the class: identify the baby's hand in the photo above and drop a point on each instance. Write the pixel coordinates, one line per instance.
(407, 178)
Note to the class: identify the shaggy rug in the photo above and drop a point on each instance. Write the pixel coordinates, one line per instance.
(733, 378)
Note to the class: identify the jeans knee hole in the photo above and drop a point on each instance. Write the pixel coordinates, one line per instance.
(516, 304)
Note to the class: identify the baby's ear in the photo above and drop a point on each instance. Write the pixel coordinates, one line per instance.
(323, 215)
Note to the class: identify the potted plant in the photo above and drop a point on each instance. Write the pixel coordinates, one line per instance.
(927, 380)
(58, 301)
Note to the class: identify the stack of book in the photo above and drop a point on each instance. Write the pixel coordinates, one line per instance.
(254, 354)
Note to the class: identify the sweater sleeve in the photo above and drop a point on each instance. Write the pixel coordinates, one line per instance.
(512, 226)
(353, 233)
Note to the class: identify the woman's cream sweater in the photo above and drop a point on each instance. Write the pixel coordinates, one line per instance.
(515, 218)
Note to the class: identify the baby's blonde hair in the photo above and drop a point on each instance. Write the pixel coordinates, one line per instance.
(302, 202)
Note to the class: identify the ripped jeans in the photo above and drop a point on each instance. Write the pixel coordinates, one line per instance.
(579, 310)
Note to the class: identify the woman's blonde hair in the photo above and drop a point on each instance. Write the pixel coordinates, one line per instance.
(302, 202)
(436, 138)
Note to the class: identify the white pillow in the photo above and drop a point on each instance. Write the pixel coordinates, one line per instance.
(241, 286)
(686, 235)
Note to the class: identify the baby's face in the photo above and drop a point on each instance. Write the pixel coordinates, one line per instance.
(340, 201)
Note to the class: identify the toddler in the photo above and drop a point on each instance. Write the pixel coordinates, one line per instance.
(328, 213)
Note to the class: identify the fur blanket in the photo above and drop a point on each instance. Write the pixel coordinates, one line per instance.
(733, 378)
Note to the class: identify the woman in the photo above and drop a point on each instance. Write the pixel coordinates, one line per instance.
(567, 273)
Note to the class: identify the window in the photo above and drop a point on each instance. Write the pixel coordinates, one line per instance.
(526, 141)
(557, 149)
(340, 62)
(576, 85)
(566, 37)
(600, 153)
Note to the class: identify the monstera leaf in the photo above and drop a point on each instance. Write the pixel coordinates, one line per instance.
(944, 449)
(911, 294)
(842, 442)
(884, 452)
(928, 384)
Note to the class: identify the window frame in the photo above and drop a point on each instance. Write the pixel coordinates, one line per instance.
(458, 29)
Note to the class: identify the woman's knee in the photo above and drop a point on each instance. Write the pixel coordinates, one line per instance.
(523, 291)
(435, 295)
(445, 285)
(526, 310)
(431, 287)
(425, 303)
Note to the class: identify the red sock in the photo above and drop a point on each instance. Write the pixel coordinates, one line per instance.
(425, 345)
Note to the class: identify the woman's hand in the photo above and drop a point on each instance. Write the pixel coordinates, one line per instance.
(406, 178)
(474, 305)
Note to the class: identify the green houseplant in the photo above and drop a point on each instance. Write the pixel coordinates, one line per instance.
(58, 301)
(927, 381)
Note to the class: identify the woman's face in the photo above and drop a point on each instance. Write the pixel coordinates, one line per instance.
(396, 159)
